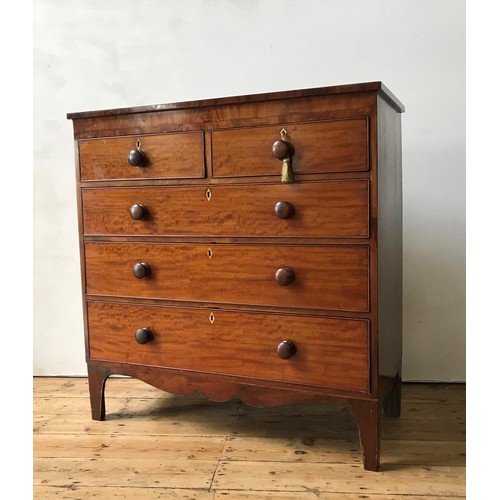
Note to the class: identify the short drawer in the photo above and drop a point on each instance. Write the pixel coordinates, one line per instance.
(320, 147)
(163, 156)
(329, 352)
(333, 209)
(333, 277)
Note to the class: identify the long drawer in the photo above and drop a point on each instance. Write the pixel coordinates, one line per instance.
(329, 352)
(299, 276)
(163, 156)
(316, 209)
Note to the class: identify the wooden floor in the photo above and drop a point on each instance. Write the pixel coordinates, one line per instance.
(155, 445)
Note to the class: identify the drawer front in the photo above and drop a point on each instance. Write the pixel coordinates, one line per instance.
(329, 352)
(320, 147)
(328, 277)
(320, 209)
(168, 156)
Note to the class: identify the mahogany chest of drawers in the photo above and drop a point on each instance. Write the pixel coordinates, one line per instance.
(247, 246)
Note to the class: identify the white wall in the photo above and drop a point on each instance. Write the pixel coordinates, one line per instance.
(98, 54)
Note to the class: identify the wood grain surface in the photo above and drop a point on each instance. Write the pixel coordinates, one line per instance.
(336, 209)
(232, 451)
(390, 241)
(330, 352)
(243, 114)
(326, 277)
(320, 147)
(169, 156)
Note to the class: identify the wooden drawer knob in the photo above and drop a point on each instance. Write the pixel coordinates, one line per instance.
(283, 210)
(137, 158)
(284, 276)
(286, 349)
(143, 335)
(141, 270)
(283, 149)
(138, 211)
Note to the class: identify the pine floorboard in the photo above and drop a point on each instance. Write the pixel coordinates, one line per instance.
(154, 445)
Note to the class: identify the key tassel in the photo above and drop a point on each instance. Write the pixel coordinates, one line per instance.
(286, 170)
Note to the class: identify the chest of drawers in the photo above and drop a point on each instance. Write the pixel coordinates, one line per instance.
(247, 246)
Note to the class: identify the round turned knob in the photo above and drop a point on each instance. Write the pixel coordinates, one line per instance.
(141, 270)
(283, 210)
(137, 158)
(138, 211)
(283, 149)
(143, 335)
(286, 349)
(284, 276)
